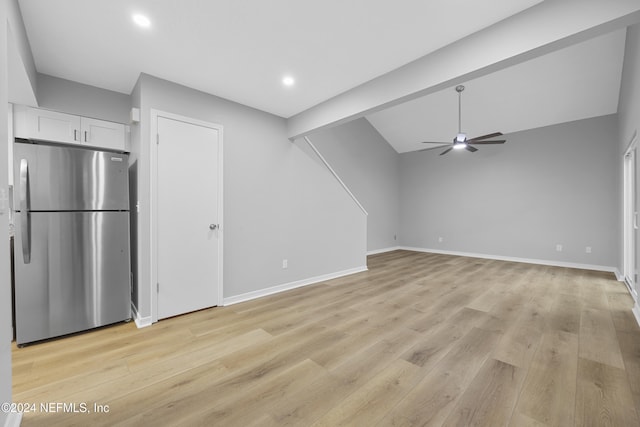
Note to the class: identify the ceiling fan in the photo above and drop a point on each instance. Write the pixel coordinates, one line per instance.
(461, 141)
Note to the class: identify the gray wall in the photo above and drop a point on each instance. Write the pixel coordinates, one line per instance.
(278, 202)
(547, 186)
(5, 281)
(84, 100)
(368, 165)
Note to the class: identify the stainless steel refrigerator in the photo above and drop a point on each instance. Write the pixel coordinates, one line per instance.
(72, 266)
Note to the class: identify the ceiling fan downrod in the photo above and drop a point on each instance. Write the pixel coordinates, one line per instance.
(459, 89)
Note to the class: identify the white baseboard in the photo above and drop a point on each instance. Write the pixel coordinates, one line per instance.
(636, 312)
(619, 275)
(381, 251)
(516, 259)
(141, 322)
(288, 286)
(13, 419)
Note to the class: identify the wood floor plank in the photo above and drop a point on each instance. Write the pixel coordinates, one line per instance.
(490, 398)
(518, 344)
(374, 399)
(548, 394)
(630, 349)
(521, 420)
(227, 404)
(305, 409)
(598, 339)
(418, 339)
(213, 345)
(603, 396)
(434, 397)
(620, 306)
(429, 350)
(592, 292)
(126, 408)
(488, 299)
(565, 312)
(467, 318)
(361, 366)
(510, 306)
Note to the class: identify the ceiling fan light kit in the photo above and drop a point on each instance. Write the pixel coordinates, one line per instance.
(460, 142)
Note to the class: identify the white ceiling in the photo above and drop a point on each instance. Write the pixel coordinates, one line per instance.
(240, 50)
(577, 82)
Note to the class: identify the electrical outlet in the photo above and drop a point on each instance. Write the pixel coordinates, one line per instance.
(588, 249)
(559, 248)
(285, 263)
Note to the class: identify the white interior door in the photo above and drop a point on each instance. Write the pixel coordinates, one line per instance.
(188, 231)
(630, 220)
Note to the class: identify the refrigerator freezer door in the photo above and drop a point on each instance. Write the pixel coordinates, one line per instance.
(69, 178)
(78, 277)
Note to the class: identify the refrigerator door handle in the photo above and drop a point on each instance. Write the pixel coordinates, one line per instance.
(25, 225)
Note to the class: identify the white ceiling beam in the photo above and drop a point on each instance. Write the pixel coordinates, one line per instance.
(544, 28)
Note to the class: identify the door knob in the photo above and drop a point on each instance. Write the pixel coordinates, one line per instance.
(213, 226)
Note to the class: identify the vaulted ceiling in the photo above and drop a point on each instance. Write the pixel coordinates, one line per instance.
(578, 82)
(241, 50)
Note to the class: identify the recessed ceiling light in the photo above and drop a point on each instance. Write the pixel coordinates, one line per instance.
(288, 81)
(141, 20)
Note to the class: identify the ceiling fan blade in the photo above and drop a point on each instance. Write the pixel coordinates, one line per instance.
(432, 148)
(470, 148)
(430, 142)
(491, 135)
(446, 151)
(497, 141)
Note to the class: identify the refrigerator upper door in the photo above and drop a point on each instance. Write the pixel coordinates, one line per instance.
(69, 178)
(78, 275)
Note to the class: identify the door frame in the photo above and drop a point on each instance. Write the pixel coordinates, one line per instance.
(153, 197)
(630, 217)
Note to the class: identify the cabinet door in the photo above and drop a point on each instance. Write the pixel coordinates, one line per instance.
(103, 134)
(52, 126)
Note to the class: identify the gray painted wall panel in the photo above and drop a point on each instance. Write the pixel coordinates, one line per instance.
(368, 165)
(278, 202)
(547, 186)
(84, 100)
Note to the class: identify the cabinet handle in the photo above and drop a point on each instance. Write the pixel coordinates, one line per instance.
(85, 136)
(75, 134)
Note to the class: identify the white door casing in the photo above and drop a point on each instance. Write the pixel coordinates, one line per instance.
(186, 215)
(630, 218)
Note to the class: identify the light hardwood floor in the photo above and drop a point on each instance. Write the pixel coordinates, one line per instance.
(419, 339)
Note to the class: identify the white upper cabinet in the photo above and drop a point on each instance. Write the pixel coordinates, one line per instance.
(46, 125)
(99, 133)
(51, 125)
